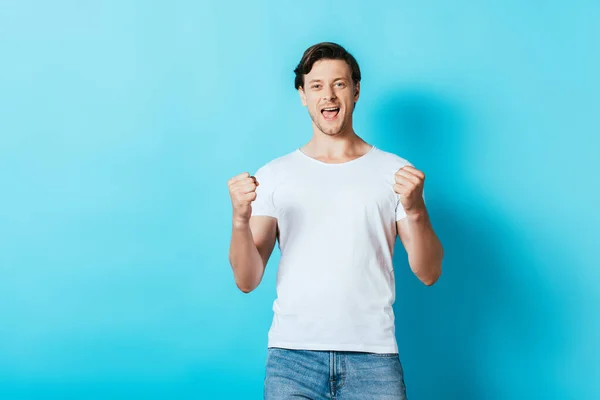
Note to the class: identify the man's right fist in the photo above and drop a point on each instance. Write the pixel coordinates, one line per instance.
(242, 189)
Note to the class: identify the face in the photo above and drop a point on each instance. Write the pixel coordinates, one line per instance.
(329, 94)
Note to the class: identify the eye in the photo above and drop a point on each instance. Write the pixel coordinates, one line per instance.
(315, 86)
(340, 84)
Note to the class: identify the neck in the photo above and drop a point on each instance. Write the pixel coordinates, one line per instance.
(344, 145)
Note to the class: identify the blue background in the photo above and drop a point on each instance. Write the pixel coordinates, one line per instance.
(121, 122)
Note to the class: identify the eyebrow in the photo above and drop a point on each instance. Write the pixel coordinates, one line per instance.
(319, 80)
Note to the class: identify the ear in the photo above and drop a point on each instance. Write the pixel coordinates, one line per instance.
(356, 91)
(302, 95)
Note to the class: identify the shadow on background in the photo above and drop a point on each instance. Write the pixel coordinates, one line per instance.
(490, 327)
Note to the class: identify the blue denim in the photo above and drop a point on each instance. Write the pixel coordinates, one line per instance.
(334, 375)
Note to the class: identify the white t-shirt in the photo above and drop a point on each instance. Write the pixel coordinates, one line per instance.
(337, 223)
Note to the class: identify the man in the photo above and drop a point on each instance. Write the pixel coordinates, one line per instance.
(335, 206)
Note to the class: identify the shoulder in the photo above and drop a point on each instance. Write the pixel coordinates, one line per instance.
(391, 160)
(276, 166)
(282, 162)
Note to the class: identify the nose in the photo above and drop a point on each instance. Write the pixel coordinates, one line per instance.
(328, 94)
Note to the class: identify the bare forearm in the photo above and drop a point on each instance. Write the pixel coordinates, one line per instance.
(244, 257)
(425, 252)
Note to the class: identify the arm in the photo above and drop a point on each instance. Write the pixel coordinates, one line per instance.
(252, 237)
(424, 249)
(252, 243)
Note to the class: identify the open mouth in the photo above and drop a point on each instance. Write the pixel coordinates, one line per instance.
(330, 113)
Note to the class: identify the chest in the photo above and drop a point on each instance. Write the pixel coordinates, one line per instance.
(333, 195)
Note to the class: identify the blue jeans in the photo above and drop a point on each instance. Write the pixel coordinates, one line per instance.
(335, 375)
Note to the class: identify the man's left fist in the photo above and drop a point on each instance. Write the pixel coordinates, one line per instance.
(409, 185)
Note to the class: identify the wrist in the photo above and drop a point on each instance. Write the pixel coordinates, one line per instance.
(240, 223)
(417, 213)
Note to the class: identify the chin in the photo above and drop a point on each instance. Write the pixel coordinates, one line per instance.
(330, 130)
(331, 133)
(327, 127)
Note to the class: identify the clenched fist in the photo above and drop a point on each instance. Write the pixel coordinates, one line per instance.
(409, 185)
(242, 189)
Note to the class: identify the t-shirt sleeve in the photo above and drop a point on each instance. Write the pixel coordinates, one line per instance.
(263, 204)
(400, 212)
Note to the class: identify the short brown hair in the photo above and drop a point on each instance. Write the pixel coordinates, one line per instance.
(324, 51)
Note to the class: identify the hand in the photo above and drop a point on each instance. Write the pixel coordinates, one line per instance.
(409, 185)
(242, 189)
